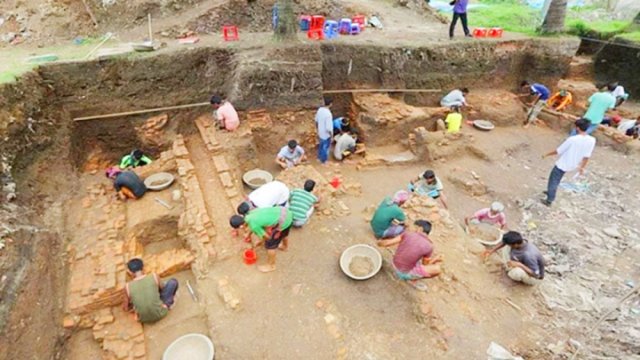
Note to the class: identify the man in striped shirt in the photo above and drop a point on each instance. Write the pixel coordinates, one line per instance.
(302, 203)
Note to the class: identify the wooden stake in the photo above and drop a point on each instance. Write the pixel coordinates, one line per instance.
(88, 9)
(150, 31)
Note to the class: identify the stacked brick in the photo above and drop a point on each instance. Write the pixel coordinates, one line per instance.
(195, 225)
(231, 186)
(121, 336)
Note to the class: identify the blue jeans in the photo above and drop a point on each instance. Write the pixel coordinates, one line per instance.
(590, 130)
(554, 181)
(168, 292)
(323, 150)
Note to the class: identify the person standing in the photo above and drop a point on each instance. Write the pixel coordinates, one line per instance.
(224, 113)
(459, 12)
(574, 153)
(324, 123)
(599, 104)
(541, 94)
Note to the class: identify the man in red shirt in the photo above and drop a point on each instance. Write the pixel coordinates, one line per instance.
(224, 113)
(412, 259)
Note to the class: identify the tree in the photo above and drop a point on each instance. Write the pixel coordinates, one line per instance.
(285, 25)
(554, 20)
(636, 20)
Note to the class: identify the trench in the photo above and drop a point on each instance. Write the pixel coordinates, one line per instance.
(122, 84)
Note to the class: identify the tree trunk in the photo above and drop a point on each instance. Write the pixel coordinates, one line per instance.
(554, 21)
(286, 25)
(636, 20)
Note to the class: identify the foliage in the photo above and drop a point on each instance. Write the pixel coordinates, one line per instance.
(511, 15)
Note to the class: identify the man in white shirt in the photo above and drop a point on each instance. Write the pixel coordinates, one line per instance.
(618, 92)
(275, 193)
(346, 144)
(455, 98)
(290, 155)
(324, 123)
(574, 153)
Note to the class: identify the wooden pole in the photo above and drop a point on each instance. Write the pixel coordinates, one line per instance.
(88, 9)
(150, 31)
(187, 106)
(380, 90)
(137, 112)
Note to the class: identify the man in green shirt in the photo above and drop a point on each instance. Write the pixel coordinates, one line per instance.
(271, 225)
(388, 220)
(302, 203)
(135, 159)
(147, 295)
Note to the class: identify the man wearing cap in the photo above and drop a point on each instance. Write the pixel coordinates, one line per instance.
(290, 155)
(274, 193)
(271, 225)
(413, 258)
(127, 183)
(135, 159)
(493, 215)
(523, 261)
(428, 184)
(388, 220)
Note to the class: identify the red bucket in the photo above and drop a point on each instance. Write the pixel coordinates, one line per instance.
(250, 257)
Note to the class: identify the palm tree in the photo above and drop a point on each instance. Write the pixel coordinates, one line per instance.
(554, 20)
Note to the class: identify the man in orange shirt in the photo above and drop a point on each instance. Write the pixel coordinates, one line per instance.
(560, 100)
(224, 113)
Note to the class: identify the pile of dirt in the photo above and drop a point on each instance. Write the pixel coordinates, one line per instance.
(256, 16)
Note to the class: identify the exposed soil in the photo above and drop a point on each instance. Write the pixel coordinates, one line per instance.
(66, 217)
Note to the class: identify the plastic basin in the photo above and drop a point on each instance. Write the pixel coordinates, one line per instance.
(191, 347)
(159, 181)
(256, 178)
(483, 125)
(360, 250)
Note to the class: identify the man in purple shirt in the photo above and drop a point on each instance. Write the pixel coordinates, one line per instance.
(459, 11)
(540, 94)
(413, 258)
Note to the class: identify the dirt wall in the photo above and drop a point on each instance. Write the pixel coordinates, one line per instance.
(619, 63)
(482, 64)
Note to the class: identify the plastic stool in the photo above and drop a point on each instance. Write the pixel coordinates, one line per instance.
(495, 32)
(315, 34)
(230, 33)
(317, 22)
(480, 32)
(355, 29)
(305, 22)
(359, 19)
(331, 29)
(345, 26)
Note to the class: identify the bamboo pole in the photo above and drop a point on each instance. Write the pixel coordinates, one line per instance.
(380, 90)
(187, 106)
(137, 112)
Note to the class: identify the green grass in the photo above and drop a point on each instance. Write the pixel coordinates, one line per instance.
(601, 29)
(511, 15)
(631, 36)
(14, 62)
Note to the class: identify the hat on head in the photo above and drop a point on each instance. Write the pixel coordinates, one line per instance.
(401, 196)
(497, 206)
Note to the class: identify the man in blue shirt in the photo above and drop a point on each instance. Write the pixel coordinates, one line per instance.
(541, 94)
(324, 123)
(459, 11)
